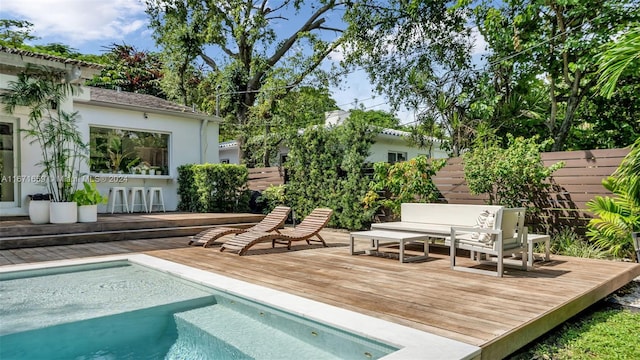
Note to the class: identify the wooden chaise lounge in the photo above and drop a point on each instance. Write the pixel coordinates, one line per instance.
(272, 222)
(307, 229)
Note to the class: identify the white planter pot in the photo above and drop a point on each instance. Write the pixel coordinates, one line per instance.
(87, 213)
(39, 211)
(63, 212)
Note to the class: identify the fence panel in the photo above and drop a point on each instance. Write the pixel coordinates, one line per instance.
(564, 205)
(262, 178)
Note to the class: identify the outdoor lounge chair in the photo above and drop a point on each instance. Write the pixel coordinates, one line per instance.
(305, 231)
(272, 222)
(506, 236)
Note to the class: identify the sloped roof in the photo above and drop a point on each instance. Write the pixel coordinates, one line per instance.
(48, 57)
(144, 102)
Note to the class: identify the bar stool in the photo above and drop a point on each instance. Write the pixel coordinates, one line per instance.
(138, 190)
(152, 194)
(113, 194)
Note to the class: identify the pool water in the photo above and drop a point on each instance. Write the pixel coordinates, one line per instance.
(120, 310)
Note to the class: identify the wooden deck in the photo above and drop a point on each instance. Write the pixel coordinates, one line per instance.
(500, 315)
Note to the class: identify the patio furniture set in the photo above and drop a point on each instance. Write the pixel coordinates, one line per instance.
(486, 231)
(490, 233)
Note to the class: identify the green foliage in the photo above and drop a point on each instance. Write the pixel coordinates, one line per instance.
(619, 56)
(54, 130)
(378, 118)
(512, 176)
(213, 188)
(605, 334)
(130, 70)
(325, 170)
(618, 216)
(89, 195)
(557, 39)
(608, 122)
(271, 197)
(408, 181)
(384, 42)
(567, 242)
(14, 33)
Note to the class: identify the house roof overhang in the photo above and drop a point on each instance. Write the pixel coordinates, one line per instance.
(140, 102)
(12, 61)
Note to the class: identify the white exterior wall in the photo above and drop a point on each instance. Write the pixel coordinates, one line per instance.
(230, 153)
(184, 147)
(380, 149)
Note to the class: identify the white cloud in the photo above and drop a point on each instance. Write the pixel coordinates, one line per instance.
(79, 21)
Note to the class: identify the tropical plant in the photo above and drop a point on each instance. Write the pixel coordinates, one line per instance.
(619, 216)
(89, 195)
(44, 92)
(620, 55)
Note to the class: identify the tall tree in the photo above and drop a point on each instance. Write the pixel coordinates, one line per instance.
(244, 44)
(403, 43)
(558, 40)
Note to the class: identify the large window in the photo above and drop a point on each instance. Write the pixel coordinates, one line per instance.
(117, 151)
(396, 156)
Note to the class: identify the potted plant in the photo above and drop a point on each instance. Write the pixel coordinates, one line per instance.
(88, 198)
(44, 92)
(39, 208)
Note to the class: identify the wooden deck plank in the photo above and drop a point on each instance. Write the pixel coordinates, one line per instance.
(498, 314)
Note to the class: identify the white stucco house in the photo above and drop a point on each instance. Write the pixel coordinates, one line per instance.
(128, 133)
(390, 145)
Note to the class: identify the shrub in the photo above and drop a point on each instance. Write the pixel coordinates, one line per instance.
(325, 170)
(513, 176)
(213, 188)
(408, 181)
(272, 197)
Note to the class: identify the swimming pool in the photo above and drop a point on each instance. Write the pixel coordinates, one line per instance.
(122, 313)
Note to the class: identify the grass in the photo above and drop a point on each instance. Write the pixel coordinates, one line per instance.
(597, 333)
(603, 331)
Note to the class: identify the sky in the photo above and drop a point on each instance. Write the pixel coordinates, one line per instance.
(89, 26)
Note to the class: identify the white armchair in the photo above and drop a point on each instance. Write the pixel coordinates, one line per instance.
(506, 236)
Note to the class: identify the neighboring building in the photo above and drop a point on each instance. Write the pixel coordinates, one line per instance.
(390, 145)
(127, 132)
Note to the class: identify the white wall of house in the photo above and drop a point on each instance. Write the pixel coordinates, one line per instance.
(386, 143)
(186, 146)
(229, 153)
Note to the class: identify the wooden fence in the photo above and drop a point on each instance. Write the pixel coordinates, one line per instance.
(262, 178)
(564, 205)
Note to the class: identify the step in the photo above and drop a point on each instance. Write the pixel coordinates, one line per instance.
(218, 332)
(107, 222)
(100, 236)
